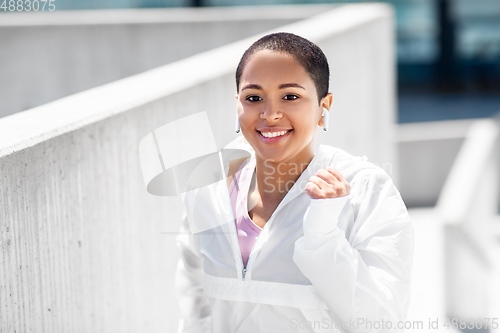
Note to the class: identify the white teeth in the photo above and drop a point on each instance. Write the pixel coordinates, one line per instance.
(273, 134)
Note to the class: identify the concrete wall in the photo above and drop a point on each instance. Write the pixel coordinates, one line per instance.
(48, 55)
(363, 113)
(426, 153)
(457, 238)
(469, 206)
(84, 247)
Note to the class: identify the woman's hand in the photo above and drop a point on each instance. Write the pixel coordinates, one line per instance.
(327, 183)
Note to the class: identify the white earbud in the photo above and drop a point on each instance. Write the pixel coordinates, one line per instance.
(237, 124)
(325, 115)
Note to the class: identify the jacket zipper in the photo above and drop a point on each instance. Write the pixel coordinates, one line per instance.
(250, 257)
(259, 240)
(238, 248)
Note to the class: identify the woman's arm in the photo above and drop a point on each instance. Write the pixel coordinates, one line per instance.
(364, 278)
(194, 305)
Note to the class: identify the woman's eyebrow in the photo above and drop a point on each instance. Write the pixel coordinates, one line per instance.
(288, 85)
(252, 86)
(281, 86)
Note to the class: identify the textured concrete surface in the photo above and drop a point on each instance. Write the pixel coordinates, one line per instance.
(84, 247)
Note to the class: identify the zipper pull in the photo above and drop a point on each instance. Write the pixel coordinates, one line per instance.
(243, 273)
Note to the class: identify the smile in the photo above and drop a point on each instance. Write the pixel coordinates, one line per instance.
(274, 134)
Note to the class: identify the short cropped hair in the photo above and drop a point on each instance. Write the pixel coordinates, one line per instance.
(308, 54)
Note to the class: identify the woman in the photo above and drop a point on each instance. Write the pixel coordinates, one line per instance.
(317, 241)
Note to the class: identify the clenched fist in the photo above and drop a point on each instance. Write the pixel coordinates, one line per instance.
(327, 183)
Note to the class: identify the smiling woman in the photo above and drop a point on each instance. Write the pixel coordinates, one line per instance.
(317, 240)
(277, 96)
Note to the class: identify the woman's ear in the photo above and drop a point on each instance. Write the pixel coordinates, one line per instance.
(326, 103)
(236, 96)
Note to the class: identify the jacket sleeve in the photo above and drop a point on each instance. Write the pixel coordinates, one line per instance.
(194, 305)
(363, 277)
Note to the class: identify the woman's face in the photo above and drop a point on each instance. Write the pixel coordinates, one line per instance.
(278, 107)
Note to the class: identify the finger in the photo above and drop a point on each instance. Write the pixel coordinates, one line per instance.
(327, 176)
(327, 190)
(313, 190)
(321, 183)
(346, 187)
(336, 173)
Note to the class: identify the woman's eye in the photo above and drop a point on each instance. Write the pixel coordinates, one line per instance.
(291, 97)
(253, 98)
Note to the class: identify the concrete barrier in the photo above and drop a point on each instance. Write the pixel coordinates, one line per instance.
(50, 55)
(468, 205)
(456, 263)
(456, 241)
(84, 247)
(426, 153)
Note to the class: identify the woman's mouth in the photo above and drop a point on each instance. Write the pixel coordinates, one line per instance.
(273, 136)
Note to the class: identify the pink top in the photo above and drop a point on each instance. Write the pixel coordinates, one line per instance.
(246, 229)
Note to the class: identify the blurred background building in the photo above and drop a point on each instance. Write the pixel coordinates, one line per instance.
(86, 248)
(448, 52)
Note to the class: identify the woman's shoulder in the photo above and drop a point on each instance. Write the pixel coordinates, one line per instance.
(234, 166)
(235, 149)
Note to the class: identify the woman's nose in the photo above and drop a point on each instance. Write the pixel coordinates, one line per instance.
(271, 112)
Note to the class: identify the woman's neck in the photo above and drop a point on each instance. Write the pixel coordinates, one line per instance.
(275, 179)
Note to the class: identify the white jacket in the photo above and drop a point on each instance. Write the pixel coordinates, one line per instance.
(326, 265)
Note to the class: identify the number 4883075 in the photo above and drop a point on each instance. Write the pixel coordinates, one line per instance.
(27, 5)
